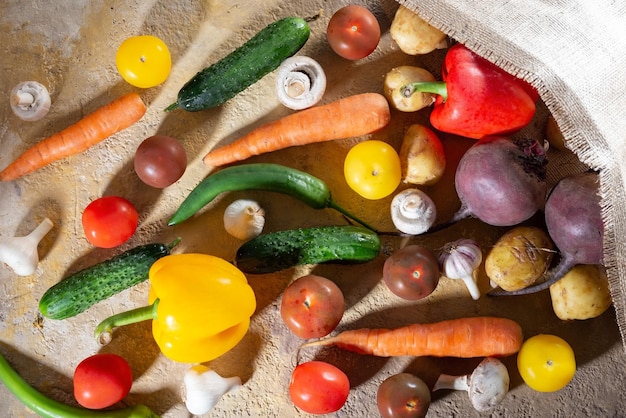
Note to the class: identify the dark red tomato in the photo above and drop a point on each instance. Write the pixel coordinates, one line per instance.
(102, 380)
(411, 272)
(160, 161)
(318, 387)
(403, 396)
(109, 221)
(353, 32)
(312, 306)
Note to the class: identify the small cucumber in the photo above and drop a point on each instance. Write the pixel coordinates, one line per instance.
(244, 66)
(280, 250)
(89, 286)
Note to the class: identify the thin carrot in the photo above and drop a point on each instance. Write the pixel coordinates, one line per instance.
(87, 132)
(463, 338)
(352, 116)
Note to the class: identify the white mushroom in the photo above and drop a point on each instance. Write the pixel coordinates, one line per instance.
(300, 82)
(20, 253)
(486, 386)
(30, 101)
(413, 211)
(244, 219)
(202, 388)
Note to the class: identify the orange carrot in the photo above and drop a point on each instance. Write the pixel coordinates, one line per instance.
(87, 132)
(352, 116)
(464, 338)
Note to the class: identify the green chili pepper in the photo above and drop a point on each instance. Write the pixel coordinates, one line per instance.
(50, 408)
(261, 176)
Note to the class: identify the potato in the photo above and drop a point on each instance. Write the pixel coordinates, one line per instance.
(554, 135)
(414, 35)
(520, 257)
(422, 157)
(399, 77)
(582, 293)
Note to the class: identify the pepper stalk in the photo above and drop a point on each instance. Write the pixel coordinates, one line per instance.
(50, 408)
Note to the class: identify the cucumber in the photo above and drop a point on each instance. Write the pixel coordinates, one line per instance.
(280, 250)
(85, 288)
(244, 66)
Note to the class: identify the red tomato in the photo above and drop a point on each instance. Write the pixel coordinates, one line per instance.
(109, 221)
(411, 272)
(403, 396)
(160, 161)
(353, 32)
(102, 380)
(312, 306)
(318, 387)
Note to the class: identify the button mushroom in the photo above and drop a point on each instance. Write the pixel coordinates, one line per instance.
(486, 386)
(30, 101)
(300, 82)
(413, 211)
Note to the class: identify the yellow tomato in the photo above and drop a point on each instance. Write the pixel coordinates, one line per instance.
(546, 363)
(372, 169)
(143, 61)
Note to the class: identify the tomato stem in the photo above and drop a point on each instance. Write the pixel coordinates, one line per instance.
(105, 328)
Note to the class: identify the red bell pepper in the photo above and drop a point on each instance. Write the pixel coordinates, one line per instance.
(477, 98)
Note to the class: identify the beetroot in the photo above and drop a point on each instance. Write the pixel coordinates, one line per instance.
(501, 181)
(574, 222)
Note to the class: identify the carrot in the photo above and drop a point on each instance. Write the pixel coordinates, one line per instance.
(87, 132)
(464, 338)
(352, 116)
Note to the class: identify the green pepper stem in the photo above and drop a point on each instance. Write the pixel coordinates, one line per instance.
(105, 328)
(50, 408)
(436, 87)
(334, 205)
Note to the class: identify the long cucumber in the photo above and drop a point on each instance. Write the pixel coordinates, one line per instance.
(260, 176)
(275, 251)
(83, 289)
(220, 82)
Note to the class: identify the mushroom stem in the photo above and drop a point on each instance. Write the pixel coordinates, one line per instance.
(23, 99)
(486, 386)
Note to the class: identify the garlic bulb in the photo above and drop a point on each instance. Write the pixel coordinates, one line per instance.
(30, 101)
(244, 219)
(20, 253)
(202, 388)
(300, 82)
(459, 261)
(413, 211)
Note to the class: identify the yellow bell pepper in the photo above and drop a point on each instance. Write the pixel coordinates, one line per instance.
(200, 306)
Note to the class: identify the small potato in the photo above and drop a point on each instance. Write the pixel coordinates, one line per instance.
(401, 76)
(583, 293)
(520, 257)
(413, 34)
(422, 157)
(554, 135)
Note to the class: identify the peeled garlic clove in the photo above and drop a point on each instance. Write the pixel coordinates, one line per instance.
(202, 388)
(30, 101)
(413, 211)
(244, 219)
(300, 82)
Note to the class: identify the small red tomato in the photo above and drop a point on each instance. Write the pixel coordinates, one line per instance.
(403, 395)
(318, 387)
(353, 32)
(109, 221)
(312, 306)
(412, 272)
(102, 380)
(160, 161)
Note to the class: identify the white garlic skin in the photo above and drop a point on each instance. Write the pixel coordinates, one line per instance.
(244, 219)
(202, 388)
(413, 211)
(459, 260)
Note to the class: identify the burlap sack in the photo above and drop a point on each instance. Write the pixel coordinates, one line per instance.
(574, 53)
